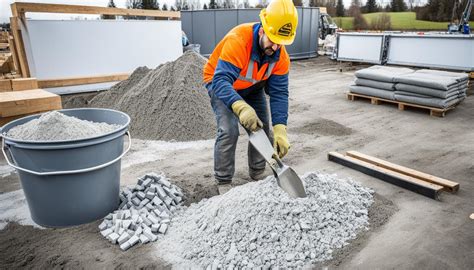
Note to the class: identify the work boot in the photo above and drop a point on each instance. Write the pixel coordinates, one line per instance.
(223, 186)
(257, 174)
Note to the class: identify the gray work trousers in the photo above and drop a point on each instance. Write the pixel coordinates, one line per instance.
(228, 133)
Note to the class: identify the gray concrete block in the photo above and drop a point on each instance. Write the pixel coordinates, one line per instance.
(156, 201)
(150, 195)
(144, 239)
(127, 214)
(144, 202)
(121, 231)
(157, 212)
(147, 182)
(163, 228)
(147, 221)
(140, 181)
(139, 188)
(164, 215)
(133, 227)
(168, 201)
(139, 230)
(150, 236)
(133, 240)
(153, 219)
(161, 193)
(149, 206)
(108, 217)
(141, 195)
(102, 226)
(165, 221)
(167, 190)
(106, 232)
(125, 246)
(123, 238)
(152, 188)
(136, 201)
(122, 197)
(126, 224)
(134, 218)
(113, 237)
(155, 227)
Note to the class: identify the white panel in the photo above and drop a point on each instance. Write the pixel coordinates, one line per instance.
(59, 49)
(359, 47)
(442, 51)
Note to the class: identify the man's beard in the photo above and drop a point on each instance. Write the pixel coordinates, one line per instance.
(267, 50)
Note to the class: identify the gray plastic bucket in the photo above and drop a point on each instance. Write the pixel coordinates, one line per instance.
(70, 182)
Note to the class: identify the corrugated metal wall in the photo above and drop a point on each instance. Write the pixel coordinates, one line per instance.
(208, 27)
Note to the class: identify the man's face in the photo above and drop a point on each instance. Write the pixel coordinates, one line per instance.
(268, 47)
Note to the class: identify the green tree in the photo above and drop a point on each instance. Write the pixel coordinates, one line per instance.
(371, 6)
(340, 8)
(398, 6)
(165, 7)
(150, 4)
(205, 6)
(213, 4)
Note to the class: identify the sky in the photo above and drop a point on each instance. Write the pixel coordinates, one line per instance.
(5, 11)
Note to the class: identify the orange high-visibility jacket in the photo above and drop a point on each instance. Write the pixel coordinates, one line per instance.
(237, 64)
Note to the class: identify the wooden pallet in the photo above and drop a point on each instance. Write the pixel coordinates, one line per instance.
(401, 105)
(14, 103)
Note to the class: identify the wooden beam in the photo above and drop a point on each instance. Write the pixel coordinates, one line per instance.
(82, 80)
(424, 188)
(16, 62)
(19, 46)
(448, 185)
(5, 85)
(19, 8)
(24, 84)
(15, 103)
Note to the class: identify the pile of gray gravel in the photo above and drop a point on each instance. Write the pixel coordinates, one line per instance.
(259, 225)
(55, 126)
(166, 103)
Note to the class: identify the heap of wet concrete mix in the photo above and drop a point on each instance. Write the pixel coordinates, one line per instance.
(166, 103)
(144, 213)
(259, 225)
(55, 126)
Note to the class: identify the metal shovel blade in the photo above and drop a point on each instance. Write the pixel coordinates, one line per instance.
(286, 177)
(290, 182)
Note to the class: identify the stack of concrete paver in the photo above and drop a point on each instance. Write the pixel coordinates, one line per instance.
(377, 81)
(144, 212)
(432, 88)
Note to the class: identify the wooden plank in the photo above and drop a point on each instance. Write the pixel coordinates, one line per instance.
(24, 84)
(82, 80)
(4, 45)
(416, 185)
(5, 85)
(448, 185)
(23, 102)
(19, 8)
(20, 48)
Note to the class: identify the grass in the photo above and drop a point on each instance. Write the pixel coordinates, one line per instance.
(400, 21)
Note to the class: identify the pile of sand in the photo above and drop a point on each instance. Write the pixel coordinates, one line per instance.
(166, 103)
(55, 126)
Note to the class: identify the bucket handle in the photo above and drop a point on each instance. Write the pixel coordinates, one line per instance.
(67, 172)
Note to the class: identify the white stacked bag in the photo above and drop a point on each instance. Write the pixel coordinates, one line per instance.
(145, 211)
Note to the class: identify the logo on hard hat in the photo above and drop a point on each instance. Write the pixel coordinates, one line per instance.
(285, 30)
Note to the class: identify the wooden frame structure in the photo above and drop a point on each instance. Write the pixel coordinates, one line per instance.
(18, 50)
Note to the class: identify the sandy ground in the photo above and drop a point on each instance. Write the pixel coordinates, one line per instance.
(408, 231)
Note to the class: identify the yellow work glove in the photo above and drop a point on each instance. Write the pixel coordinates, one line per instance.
(280, 140)
(247, 115)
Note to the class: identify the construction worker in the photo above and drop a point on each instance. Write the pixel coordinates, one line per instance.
(248, 62)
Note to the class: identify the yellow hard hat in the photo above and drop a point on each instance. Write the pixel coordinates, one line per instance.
(279, 21)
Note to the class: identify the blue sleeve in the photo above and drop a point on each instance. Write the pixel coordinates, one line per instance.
(278, 90)
(222, 83)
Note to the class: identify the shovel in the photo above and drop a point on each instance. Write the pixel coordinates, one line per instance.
(286, 177)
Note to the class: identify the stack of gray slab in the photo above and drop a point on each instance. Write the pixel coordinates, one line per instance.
(434, 88)
(144, 212)
(377, 81)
